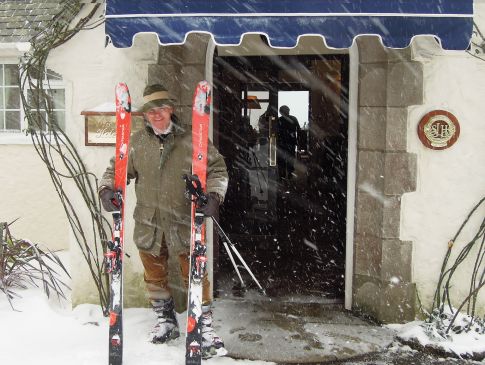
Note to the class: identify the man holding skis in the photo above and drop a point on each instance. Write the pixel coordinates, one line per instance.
(159, 155)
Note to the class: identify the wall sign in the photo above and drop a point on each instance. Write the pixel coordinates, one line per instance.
(100, 127)
(438, 129)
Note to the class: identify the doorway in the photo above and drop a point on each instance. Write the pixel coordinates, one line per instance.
(285, 208)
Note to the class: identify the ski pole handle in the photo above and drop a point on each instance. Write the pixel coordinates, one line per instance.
(193, 187)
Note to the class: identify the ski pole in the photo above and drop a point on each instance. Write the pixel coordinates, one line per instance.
(247, 268)
(224, 236)
(194, 187)
(234, 263)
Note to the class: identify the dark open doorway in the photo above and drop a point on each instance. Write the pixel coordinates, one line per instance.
(285, 207)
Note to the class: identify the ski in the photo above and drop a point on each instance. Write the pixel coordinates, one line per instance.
(198, 260)
(114, 254)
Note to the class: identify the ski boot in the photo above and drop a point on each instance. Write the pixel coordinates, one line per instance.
(212, 344)
(167, 327)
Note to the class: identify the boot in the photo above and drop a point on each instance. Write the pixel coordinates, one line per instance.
(212, 344)
(167, 327)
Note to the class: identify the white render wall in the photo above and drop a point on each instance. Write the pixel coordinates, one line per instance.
(27, 193)
(449, 182)
(91, 72)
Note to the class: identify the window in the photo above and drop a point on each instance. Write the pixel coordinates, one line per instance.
(10, 110)
(12, 116)
(298, 102)
(256, 103)
(52, 82)
(56, 98)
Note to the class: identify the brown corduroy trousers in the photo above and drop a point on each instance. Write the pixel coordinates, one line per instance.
(156, 274)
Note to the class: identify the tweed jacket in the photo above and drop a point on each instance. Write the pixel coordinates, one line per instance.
(162, 209)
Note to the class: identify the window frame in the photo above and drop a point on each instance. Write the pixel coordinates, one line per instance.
(19, 136)
(4, 108)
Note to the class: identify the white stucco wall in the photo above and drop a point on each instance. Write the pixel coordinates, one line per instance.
(27, 193)
(449, 182)
(91, 72)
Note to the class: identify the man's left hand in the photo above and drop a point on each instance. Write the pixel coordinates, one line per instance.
(212, 205)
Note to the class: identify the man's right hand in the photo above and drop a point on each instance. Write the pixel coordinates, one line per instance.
(107, 197)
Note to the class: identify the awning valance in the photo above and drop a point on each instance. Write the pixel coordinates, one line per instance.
(284, 21)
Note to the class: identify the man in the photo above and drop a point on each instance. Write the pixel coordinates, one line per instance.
(159, 155)
(288, 129)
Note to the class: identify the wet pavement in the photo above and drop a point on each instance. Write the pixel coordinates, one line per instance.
(308, 330)
(396, 355)
(295, 330)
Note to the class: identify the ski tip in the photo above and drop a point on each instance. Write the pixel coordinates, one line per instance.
(203, 89)
(204, 85)
(202, 98)
(121, 87)
(123, 97)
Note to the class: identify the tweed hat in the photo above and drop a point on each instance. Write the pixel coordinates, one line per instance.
(155, 96)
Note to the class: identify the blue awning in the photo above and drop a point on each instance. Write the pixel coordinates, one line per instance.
(284, 21)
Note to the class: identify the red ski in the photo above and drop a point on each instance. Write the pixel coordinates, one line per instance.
(196, 186)
(114, 254)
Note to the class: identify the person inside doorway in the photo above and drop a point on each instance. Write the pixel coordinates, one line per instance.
(288, 130)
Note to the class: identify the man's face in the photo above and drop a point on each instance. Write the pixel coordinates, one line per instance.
(159, 117)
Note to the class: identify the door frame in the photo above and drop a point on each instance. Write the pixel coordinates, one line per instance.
(351, 172)
(353, 82)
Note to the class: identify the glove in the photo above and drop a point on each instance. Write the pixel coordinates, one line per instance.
(210, 208)
(108, 201)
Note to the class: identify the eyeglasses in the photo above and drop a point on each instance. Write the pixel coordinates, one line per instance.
(155, 111)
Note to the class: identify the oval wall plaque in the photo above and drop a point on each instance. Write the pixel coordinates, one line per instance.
(438, 129)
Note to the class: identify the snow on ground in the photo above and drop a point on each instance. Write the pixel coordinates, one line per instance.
(45, 331)
(48, 331)
(462, 345)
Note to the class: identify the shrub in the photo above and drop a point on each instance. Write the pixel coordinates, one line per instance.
(23, 263)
